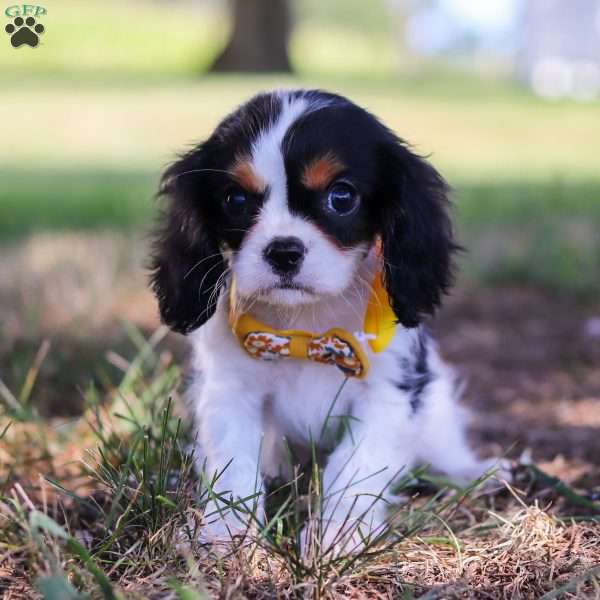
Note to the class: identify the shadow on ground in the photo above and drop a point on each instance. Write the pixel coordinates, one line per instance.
(531, 364)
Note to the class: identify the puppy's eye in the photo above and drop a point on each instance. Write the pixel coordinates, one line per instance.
(236, 203)
(342, 198)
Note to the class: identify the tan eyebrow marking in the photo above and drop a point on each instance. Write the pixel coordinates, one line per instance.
(319, 173)
(243, 172)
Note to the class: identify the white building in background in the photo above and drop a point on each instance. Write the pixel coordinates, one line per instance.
(454, 28)
(560, 48)
(554, 45)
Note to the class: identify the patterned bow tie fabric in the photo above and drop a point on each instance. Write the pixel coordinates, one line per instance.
(326, 349)
(267, 346)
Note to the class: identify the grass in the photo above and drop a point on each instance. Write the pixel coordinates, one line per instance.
(527, 206)
(55, 200)
(152, 41)
(541, 232)
(107, 505)
(95, 118)
(474, 128)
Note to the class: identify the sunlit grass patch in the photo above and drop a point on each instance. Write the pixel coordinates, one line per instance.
(473, 129)
(125, 41)
(119, 39)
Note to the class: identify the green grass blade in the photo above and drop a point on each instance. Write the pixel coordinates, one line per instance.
(187, 593)
(56, 587)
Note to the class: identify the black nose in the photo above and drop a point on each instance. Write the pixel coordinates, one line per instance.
(285, 255)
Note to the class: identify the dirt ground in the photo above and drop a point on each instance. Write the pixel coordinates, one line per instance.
(531, 364)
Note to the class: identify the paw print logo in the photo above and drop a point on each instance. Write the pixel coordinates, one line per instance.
(24, 32)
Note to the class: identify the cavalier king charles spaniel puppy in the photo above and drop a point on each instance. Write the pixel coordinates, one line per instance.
(301, 246)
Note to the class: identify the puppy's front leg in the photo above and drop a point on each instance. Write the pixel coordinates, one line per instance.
(229, 435)
(377, 448)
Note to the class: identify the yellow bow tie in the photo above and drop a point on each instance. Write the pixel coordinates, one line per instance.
(336, 346)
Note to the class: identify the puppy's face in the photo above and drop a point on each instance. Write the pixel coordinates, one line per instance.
(301, 199)
(288, 195)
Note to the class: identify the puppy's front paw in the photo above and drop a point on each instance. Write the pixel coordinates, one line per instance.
(343, 533)
(222, 525)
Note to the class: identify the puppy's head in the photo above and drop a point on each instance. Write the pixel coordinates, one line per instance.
(289, 194)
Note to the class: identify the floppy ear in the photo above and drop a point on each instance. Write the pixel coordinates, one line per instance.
(187, 263)
(416, 233)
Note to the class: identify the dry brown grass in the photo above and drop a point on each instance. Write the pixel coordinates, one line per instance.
(499, 545)
(530, 553)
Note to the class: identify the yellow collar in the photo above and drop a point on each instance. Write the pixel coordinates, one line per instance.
(336, 346)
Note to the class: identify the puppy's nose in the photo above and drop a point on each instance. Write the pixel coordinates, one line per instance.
(285, 255)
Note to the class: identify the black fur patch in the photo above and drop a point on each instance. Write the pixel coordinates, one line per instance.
(404, 201)
(187, 268)
(416, 374)
(336, 129)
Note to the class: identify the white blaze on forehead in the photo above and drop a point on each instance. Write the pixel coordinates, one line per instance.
(325, 268)
(267, 154)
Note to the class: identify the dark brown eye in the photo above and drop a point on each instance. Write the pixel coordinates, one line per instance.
(236, 203)
(342, 199)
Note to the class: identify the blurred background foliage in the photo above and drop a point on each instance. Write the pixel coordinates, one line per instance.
(116, 88)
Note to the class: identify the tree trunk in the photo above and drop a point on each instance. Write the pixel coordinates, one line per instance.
(259, 37)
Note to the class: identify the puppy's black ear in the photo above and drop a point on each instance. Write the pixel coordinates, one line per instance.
(416, 233)
(187, 263)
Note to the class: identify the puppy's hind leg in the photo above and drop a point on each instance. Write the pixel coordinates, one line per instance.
(443, 444)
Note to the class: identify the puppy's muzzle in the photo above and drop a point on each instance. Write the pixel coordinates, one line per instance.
(285, 255)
